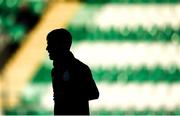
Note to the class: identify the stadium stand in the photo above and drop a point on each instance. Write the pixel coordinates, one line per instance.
(132, 47)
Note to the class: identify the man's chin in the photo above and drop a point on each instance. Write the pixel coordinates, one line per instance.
(51, 58)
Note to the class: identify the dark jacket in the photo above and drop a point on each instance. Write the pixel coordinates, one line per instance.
(73, 87)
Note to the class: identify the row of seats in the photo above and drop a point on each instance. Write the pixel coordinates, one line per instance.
(9, 6)
(125, 22)
(135, 112)
(43, 75)
(18, 17)
(140, 75)
(129, 74)
(130, 1)
(139, 34)
(32, 107)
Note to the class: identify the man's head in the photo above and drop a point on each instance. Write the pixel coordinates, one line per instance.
(58, 43)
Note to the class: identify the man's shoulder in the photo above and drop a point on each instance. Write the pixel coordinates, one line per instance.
(80, 64)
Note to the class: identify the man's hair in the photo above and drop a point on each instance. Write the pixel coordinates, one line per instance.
(61, 36)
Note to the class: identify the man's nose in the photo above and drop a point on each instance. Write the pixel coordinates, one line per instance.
(47, 48)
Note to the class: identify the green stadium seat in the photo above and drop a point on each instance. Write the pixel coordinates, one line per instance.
(37, 6)
(12, 4)
(8, 21)
(43, 75)
(17, 32)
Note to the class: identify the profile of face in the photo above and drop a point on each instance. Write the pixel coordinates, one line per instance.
(58, 43)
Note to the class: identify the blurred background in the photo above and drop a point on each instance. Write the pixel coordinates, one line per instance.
(131, 46)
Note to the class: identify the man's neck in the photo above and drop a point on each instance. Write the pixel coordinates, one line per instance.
(63, 61)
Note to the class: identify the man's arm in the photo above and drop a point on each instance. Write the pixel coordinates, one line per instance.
(92, 92)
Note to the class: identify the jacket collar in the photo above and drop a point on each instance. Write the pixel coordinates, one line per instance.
(66, 63)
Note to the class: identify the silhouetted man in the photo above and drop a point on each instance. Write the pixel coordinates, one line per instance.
(72, 81)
